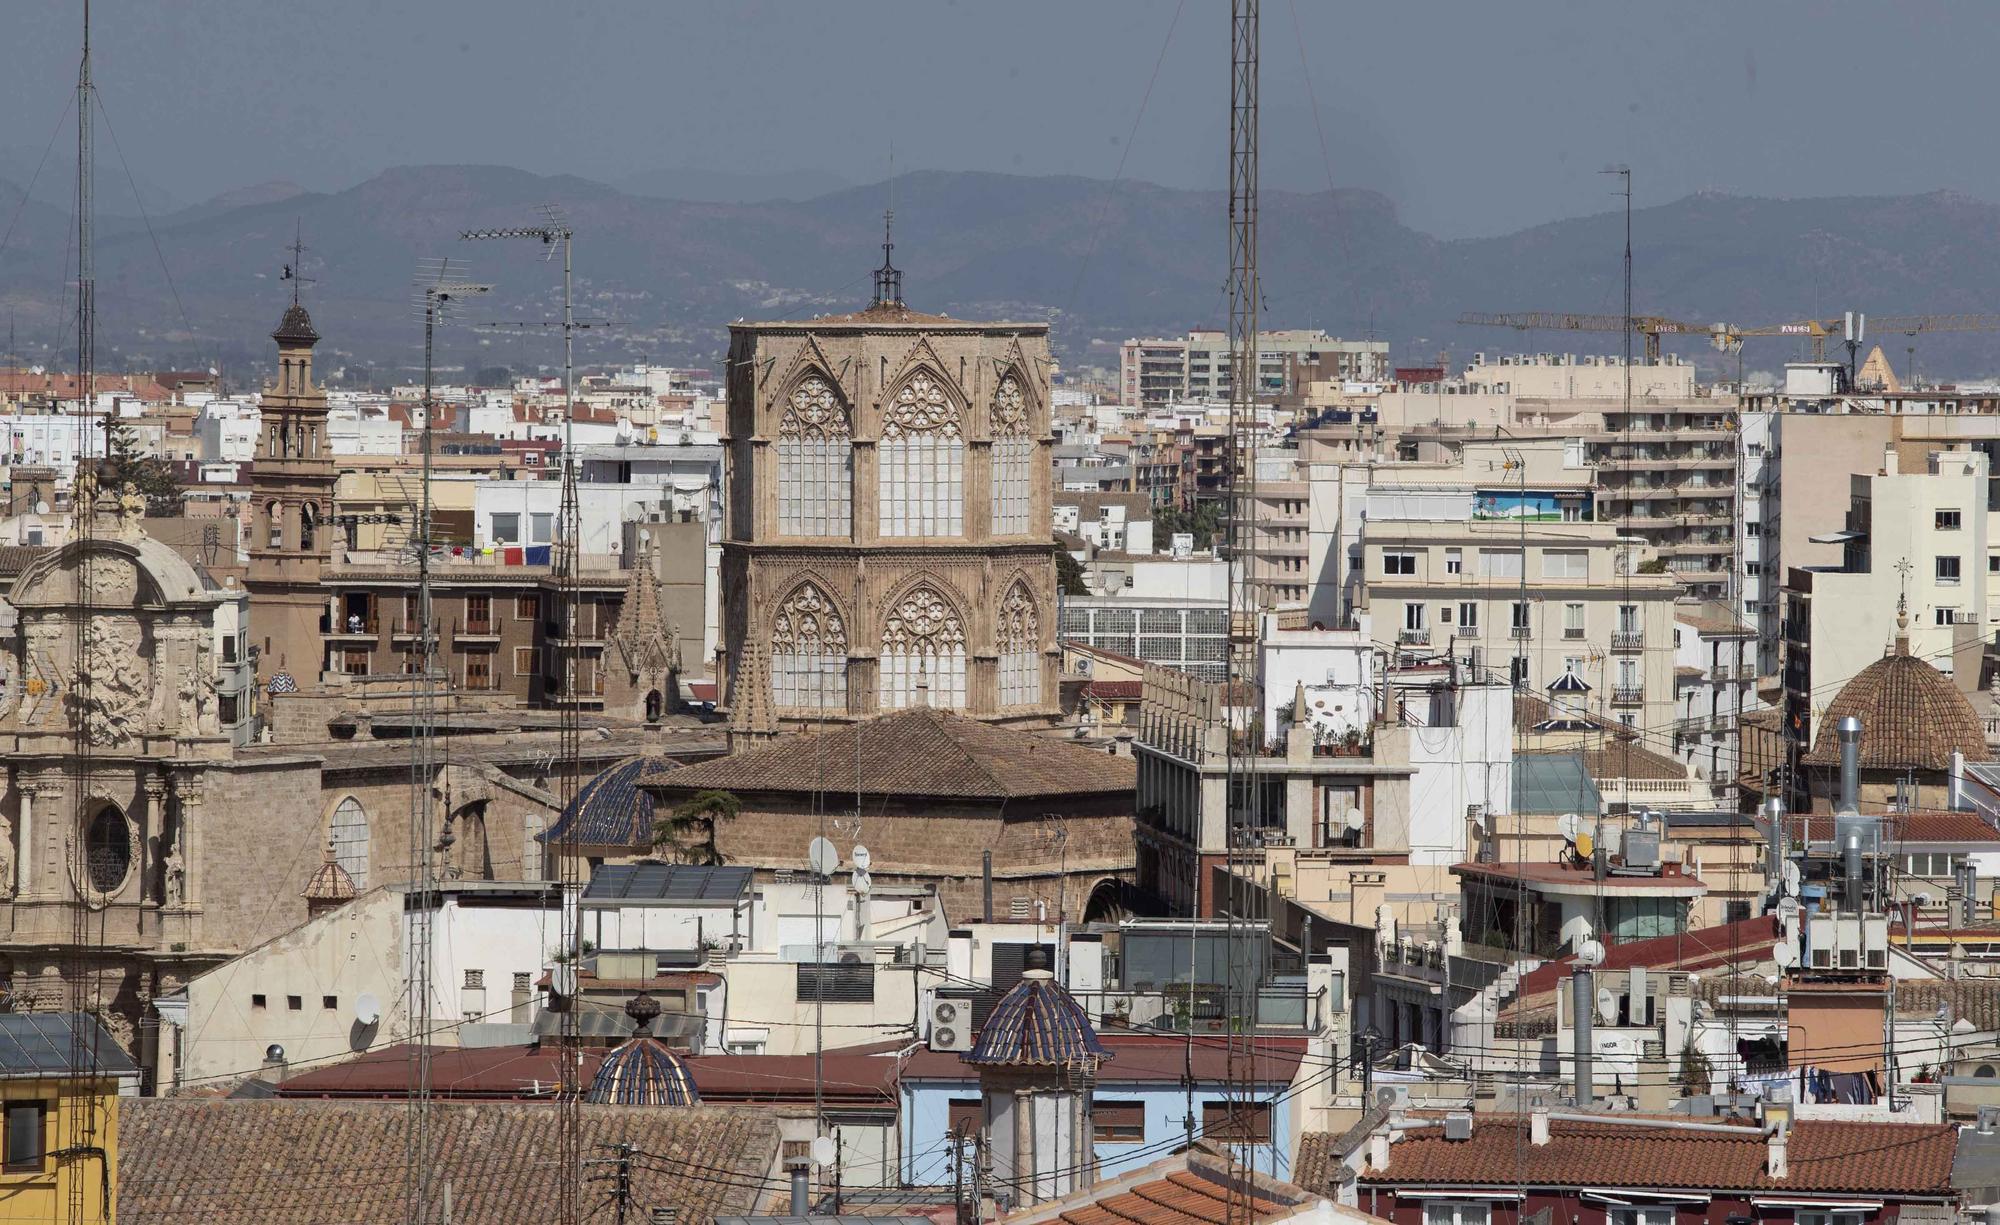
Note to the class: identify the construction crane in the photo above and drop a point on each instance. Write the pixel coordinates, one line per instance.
(1650, 327)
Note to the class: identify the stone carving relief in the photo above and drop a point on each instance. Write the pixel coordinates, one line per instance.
(814, 412)
(808, 624)
(110, 579)
(6, 857)
(920, 408)
(921, 623)
(1010, 409)
(1019, 625)
(114, 711)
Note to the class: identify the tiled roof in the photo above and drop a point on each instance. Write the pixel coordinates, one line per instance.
(1627, 760)
(296, 327)
(610, 809)
(1198, 1186)
(1714, 618)
(320, 1163)
(923, 751)
(1745, 942)
(1909, 827)
(1912, 715)
(468, 1072)
(1880, 1159)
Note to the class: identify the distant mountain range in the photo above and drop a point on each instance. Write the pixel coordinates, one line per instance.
(1101, 262)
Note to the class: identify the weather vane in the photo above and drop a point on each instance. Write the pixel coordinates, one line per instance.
(295, 271)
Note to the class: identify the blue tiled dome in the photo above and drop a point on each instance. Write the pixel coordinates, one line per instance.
(609, 810)
(643, 1071)
(1038, 1024)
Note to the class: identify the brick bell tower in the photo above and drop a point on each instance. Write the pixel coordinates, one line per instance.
(291, 511)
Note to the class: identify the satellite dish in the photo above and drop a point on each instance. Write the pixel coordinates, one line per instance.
(1791, 875)
(644, 535)
(367, 1009)
(1584, 844)
(1607, 1005)
(860, 883)
(1355, 820)
(1567, 825)
(1590, 954)
(823, 1151)
(862, 859)
(562, 980)
(822, 856)
(41, 508)
(1786, 955)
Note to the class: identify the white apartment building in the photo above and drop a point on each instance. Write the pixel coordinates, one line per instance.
(1532, 600)
(1715, 685)
(1196, 367)
(227, 430)
(1918, 544)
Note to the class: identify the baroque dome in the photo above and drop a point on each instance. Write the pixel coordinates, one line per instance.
(1912, 717)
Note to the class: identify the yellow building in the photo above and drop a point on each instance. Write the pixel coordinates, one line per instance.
(59, 1151)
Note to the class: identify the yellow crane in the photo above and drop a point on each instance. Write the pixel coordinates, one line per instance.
(1649, 327)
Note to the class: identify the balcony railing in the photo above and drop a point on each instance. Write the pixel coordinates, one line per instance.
(1572, 631)
(1622, 695)
(1465, 631)
(1419, 638)
(1520, 631)
(1627, 640)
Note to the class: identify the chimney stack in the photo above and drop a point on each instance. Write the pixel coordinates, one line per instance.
(1538, 1126)
(1848, 731)
(1778, 1160)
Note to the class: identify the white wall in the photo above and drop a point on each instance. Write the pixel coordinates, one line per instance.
(1457, 767)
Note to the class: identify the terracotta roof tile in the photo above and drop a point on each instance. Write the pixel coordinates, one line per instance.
(322, 1162)
(1912, 715)
(1885, 1159)
(919, 752)
(1910, 827)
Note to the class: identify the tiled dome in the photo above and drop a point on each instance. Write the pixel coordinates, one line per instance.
(296, 327)
(1912, 717)
(643, 1071)
(1038, 1024)
(330, 883)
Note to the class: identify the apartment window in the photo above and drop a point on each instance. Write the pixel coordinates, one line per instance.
(295, 1003)
(1468, 614)
(1454, 561)
(1413, 616)
(506, 528)
(1500, 563)
(479, 670)
(1628, 618)
(527, 607)
(835, 983)
(1118, 1122)
(1947, 571)
(1993, 564)
(541, 528)
(1628, 673)
(1753, 569)
(225, 707)
(329, 1002)
(1806, 1216)
(1399, 563)
(1565, 564)
(524, 661)
(1936, 863)
(1943, 616)
(1947, 521)
(1456, 1212)
(229, 649)
(1236, 1122)
(1753, 528)
(1520, 614)
(257, 1000)
(25, 1128)
(1573, 665)
(1651, 1214)
(1572, 620)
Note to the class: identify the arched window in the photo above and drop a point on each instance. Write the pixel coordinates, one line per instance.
(108, 849)
(275, 512)
(307, 524)
(349, 830)
(1013, 458)
(815, 463)
(809, 653)
(923, 644)
(922, 477)
(1020, 640)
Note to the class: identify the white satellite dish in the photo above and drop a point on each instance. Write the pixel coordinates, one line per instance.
(1355, 821)
(562, 980)
(1607, 1005)
(860, 883)
(1786, 955)
(1567, 825)
(1791, 875)
(1590, 954)
(823, 1151)
(367, 1009)
(822, 856)
(41, 508)
(862, 859)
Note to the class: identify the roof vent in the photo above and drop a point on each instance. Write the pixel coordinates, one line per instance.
(1458, 1125)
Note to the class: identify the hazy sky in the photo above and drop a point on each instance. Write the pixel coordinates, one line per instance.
(1474, 117)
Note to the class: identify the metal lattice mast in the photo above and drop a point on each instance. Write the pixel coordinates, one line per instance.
(1243, 689)
(568, 560)
(438, 291)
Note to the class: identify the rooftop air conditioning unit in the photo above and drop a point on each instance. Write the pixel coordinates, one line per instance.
(951, 1024)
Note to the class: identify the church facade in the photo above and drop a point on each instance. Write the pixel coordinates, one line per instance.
(889, 540)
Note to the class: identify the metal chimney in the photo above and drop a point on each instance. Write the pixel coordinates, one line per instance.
(801, 1195)
(1848, 730)
(1582, 1006)
(1851, 868)
(1774, 814)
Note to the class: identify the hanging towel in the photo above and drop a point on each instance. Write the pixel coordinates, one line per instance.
(538, 554)
(512, 556)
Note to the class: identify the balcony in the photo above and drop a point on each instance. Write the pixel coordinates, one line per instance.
(1622, 695)
(1573, 633)
(1628, 640)
(1520, 631)
(1465, 631)
(483, 627)
(1414, 638)
(1720, 672)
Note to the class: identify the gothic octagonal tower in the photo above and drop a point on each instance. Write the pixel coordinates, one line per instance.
(889, 540)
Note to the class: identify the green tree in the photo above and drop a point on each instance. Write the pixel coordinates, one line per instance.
(1204, 523)
(1069, 573)
(1693, 1078)
(148, 474)
(689, 830)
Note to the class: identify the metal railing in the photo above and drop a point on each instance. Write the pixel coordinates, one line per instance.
(1622, 695)
(1627, 640)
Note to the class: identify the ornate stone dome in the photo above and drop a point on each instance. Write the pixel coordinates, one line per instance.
(1038, 1024)
(1912, 717)
(296, 328)
(643, 1071)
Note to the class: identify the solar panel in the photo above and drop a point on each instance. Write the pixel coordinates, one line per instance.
(41, 1042)
(667, 882)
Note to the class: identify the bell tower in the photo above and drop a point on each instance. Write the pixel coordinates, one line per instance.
(291, 507)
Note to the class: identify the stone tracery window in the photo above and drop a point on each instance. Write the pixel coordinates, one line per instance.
(1019, 637)
(1013, 458)
(922, 478)
(809, 653)
(108, 850)
(923, 643)
(349, 832)
(815, 462)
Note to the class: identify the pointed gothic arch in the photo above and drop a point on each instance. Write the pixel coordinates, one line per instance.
(1012, 417)
(923, 648)
(921, 479)
(815, 458)
(1018, 636)
(809, 648)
